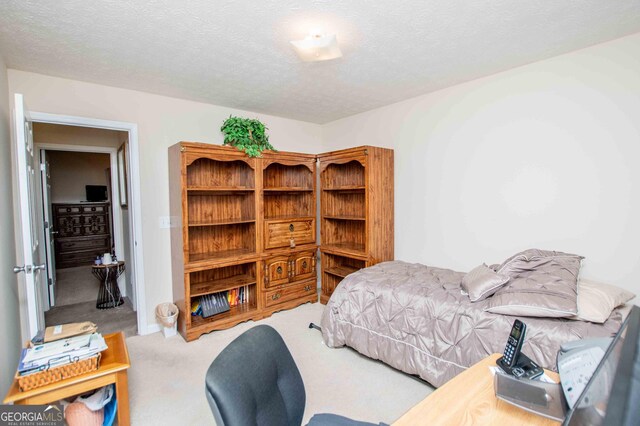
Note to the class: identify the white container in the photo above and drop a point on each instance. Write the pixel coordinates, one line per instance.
(167, 314)
(170, 331)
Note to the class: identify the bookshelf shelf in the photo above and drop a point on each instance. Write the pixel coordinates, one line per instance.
(206, 190)
(223, 284)
(275, 191)
(341, 270)
(222, 222)
(239, 313)
(346, 188)
(344, 217)
(222, 255)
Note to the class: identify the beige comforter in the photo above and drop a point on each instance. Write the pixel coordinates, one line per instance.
(415, 318)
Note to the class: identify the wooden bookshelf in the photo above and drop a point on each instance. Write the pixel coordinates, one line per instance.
(239, 214)
(251, 223)
(213, 190)
(356, 212)
(289, 230)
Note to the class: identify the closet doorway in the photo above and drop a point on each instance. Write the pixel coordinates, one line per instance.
(85, 215)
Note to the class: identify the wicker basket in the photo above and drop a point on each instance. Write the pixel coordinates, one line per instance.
(55, 374)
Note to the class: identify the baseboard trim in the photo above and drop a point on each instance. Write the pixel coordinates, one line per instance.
(151, 328)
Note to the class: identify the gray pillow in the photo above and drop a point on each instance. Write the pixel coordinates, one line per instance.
(481, 282)
(543, 284)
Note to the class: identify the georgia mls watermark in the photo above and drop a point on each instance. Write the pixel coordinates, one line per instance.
(31, 415)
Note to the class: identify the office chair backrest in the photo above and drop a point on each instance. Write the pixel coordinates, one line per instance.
(255, 381)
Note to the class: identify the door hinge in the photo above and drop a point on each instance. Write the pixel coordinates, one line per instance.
(43, 167)
(46, 225)
(50, 282)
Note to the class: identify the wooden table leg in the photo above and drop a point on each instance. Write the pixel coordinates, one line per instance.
(122, 394)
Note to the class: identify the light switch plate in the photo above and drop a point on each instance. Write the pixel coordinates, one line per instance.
(164, 222)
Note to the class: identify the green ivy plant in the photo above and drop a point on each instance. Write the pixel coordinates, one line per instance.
(246, 134)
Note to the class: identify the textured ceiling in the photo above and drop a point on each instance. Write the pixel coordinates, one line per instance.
(237, 53)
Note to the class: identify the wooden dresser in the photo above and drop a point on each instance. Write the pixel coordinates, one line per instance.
(83, 232)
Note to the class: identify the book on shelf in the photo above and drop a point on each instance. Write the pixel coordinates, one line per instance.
(213, 304)
(216, 303)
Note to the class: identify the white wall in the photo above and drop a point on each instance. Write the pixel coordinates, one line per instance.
(545, 155)
(72, 171)
(74, 135)
(9, 315)
(162, 121)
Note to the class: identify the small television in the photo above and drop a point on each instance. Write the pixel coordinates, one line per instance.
(96, 193)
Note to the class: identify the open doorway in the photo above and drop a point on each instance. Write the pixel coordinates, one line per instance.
(86, 218)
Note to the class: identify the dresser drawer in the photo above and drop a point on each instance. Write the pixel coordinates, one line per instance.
(68, 260)
(290, 292)
(62, 209)
(94, 209)
(99, 244)
(98, 218)
(289, 233)
(68, 225)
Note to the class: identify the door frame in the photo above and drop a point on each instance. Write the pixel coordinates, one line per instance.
(118, 234)
(134, 202)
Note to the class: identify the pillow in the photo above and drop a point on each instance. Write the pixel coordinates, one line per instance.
(543, 284)
(481, 282)
(597, 300)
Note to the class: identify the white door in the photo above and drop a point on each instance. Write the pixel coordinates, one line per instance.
(49, 227)
(30, 269)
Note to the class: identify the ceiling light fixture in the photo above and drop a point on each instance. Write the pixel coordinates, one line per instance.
(317, 47)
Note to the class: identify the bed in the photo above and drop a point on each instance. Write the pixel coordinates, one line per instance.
(416, 319)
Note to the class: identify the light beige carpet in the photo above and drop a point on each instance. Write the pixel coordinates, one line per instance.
(76, 285)
(121, 318)
(166, 380)
(76, 295)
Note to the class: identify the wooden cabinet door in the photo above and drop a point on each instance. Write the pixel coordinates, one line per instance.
(304, 265)
(276, 271)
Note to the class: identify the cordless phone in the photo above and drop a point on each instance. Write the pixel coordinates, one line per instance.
(515, 363)
(514, 343)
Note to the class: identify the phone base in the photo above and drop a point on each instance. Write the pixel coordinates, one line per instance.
(525, 368)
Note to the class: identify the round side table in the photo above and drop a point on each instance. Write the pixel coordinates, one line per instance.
(109, 294)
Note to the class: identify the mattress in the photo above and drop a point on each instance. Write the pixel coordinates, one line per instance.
(416, 319)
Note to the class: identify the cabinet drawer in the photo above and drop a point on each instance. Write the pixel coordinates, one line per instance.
(94, 209)
(289, 233)
(66, 209)
(90, 219)
(66, 260)
(95, 229)
(69, 226)
(291, 292)
(98, 245)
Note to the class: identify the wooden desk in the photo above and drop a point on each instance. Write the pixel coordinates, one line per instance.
(469, 399)
(113, 369)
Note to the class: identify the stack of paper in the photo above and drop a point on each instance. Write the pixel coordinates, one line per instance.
(60, 352)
